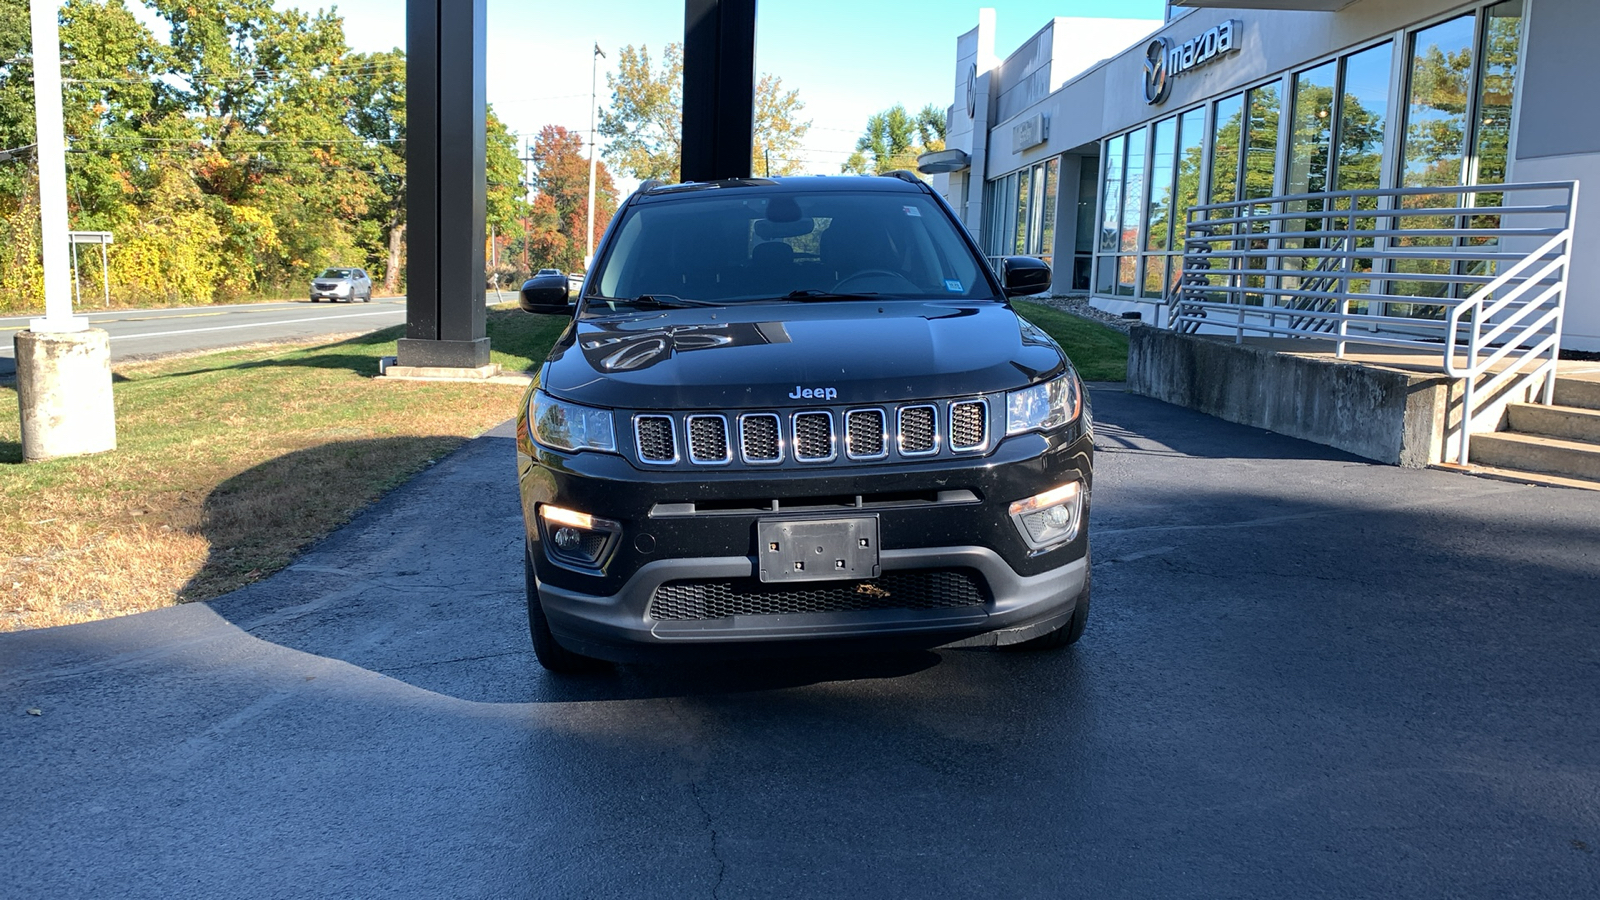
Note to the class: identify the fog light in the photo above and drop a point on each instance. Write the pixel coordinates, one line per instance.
(1050, 518)
(577, 539)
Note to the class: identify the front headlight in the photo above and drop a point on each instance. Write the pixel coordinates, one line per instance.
(568, 426)
(1044, 406)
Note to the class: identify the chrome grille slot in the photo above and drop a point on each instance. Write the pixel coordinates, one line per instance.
(866, 434)
(917, 589)
(813, 436)
(758, 438)
(655, 439)
(919, 430)
(969, 425)
(708, 440)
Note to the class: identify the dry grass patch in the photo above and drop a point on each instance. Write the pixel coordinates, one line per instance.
(228, 464)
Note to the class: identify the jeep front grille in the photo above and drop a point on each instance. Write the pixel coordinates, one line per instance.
(758, 438)
(921, 430)
(708, 441)
(918, 589)
(813, 436)
(967, 425)
(866, 434)
(919, 435)
(656, 441)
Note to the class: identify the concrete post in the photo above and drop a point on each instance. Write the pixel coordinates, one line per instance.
(64, 389)
(63, 366)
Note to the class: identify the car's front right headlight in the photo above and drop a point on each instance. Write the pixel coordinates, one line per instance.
(568, 426)
(1044, 406)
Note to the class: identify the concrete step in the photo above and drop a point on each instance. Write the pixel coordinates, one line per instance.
(1582, 393)
(1581, 484)
(1569, 422)
(1533, 453)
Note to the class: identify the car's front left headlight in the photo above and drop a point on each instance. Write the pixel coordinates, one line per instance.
(1044, 406)
(568, 426)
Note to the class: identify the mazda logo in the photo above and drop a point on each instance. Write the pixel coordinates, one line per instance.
(1157, 80)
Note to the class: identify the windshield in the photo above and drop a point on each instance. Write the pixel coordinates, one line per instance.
(739, 246)
(335, 273)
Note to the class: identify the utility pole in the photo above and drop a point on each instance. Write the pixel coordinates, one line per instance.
(63, 365)
(594, 80)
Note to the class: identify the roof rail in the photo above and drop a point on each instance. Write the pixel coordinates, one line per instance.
(650, 184)
(905, 175)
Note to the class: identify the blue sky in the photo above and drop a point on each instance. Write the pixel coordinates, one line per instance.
(848, 58)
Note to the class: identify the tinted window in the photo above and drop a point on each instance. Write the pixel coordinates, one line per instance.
(740, 245)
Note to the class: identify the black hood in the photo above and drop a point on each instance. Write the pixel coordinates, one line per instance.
(757, 356)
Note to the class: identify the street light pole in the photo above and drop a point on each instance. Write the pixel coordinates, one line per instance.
(594, 80)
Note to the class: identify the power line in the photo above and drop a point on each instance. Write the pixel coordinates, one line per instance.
(17, 152)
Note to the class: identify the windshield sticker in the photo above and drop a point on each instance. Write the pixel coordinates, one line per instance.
(912, 211)
(953, 286)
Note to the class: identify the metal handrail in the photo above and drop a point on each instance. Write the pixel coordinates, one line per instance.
(1490, 281)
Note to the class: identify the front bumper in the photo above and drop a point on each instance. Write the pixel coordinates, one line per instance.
(701, 525)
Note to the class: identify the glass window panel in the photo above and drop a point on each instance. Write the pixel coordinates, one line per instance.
(1088, 174)
(1111, 196)
(1311, 135)
(1363, 107)
(1105, 273)
(1229, 126)
(1159, 213)
(1133, 192)
(1261, 142)
(1155, 271)
(1435, 139)
(1047, 212)
(1127, 274)
(1502, 38)
(1019, 243)
(1191, 141)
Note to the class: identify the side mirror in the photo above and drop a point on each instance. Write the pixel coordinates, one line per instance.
(545, 294)
(1021, 275)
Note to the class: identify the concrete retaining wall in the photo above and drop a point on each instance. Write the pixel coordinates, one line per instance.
(1383, 414)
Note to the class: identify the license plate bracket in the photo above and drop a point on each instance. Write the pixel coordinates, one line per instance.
(817, 549)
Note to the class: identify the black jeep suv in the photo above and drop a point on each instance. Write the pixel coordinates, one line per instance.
(800, 415)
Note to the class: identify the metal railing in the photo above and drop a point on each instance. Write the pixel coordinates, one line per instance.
(1475, 274)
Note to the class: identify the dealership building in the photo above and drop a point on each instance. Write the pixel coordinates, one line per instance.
(1093, 142)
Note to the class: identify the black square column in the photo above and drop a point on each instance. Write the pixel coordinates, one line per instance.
(719, 72)
(446, 52)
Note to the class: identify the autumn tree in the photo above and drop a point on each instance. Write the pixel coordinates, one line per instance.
(643, 125)
(557, 226)
(894, 138)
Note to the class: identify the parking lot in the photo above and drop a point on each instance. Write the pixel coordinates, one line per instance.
(1305, 676)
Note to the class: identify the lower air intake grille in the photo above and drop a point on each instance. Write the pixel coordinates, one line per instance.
(923, 589)
(758, 436)
(656, 444)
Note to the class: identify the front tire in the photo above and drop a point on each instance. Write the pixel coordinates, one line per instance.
(551, 655)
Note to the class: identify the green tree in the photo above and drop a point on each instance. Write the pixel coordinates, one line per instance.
(894, 138)
(643, 125)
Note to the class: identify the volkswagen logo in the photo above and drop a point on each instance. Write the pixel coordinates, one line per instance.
(1157, 80)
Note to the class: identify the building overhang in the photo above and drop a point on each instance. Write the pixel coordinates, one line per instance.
(941, 161)
(1300, 5)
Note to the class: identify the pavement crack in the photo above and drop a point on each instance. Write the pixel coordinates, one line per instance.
(716, 849)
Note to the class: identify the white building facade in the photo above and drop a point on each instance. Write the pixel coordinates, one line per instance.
(1088, 144)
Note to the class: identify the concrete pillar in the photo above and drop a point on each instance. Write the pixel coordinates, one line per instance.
(64, 389)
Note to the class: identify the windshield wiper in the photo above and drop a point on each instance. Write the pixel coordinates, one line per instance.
(810, 294)
(659, 301)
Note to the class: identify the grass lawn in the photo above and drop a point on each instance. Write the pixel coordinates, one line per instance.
(226, 465)
(1100, 353)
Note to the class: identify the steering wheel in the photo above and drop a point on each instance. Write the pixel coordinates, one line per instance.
(841, 288)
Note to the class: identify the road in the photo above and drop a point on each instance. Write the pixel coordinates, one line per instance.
(1305, 676)
(152, 332)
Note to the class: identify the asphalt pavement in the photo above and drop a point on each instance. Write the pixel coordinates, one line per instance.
(154, 332)
(1305, 676)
